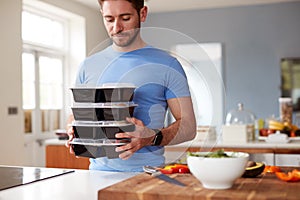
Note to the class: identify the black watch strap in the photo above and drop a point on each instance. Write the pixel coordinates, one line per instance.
(158, 138)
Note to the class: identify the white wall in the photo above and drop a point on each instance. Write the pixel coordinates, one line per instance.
(11, 137)
(11, 134)
(254, 39)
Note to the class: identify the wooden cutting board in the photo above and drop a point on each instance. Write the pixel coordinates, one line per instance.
(145, 187)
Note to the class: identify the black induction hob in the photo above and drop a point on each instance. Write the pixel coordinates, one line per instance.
(16, 176)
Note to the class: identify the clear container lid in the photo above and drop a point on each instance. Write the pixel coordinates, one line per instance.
(106, 86)
(99, 142)
(105, 105)
(101, 123)
(240, 116)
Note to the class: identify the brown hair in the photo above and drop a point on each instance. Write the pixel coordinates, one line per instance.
(137, 4)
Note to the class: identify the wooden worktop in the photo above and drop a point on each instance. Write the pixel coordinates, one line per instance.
(146, 187)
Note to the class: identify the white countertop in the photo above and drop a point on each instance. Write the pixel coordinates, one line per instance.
(81, 184)
(294, 144)
(55, 141)
(194, 143)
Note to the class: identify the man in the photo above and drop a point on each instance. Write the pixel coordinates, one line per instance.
(161, 84)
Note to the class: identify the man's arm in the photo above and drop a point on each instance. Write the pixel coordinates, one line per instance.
(183, 129)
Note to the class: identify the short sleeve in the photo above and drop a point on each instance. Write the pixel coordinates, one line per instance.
(176, 82)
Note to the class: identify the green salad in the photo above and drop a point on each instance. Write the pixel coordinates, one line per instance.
(215, 154)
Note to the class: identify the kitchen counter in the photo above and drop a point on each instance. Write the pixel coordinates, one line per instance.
(293, 147)
(55, 141)
(84, 184)
(284, 154)
(144, 186)
(81, 184)
(294, 144)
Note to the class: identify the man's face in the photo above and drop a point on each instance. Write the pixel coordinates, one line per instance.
(122, 22)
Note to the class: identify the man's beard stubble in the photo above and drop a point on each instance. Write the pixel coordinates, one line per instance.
(127, 37)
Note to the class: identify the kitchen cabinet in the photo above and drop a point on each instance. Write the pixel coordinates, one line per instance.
(287, 159)
(58, 156)
(267, 158)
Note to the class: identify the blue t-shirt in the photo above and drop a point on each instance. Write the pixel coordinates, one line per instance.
(158, 77)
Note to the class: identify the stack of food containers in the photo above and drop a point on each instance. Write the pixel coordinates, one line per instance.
(100, 113)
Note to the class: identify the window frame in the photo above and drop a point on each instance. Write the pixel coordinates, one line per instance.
(43, 50)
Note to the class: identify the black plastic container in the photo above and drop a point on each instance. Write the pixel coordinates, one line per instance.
(100, 130)
(96, 148)
(118, 93)
(103, 111)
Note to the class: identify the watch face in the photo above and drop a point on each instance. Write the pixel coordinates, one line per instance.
(157, 139)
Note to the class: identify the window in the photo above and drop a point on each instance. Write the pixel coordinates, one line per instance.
(43, 64)
(42, 30)
(203, 66)
(53, 47)
(290, 80)
(42, 98)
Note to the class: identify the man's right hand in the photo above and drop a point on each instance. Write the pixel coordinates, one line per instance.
(70, 132)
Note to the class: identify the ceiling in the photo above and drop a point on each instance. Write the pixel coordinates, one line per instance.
(178, 5)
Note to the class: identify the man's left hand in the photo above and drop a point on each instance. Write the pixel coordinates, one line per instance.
(142, 136)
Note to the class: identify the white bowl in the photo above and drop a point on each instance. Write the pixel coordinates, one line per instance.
(218, 173)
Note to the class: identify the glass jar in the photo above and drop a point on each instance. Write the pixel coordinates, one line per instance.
(240, 116)
(286, 109)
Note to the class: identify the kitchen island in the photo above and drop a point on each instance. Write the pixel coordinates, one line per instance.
(144, 186)
(80, 184)
(92, 185)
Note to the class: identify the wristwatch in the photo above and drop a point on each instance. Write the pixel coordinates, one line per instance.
(158, 137)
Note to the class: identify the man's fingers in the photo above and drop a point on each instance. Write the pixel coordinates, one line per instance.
(125, 155)
(124, 135)
(70, 133)
(125, 147)
(71, 150)
(135, 121)
(68, 145)
(127, 150)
